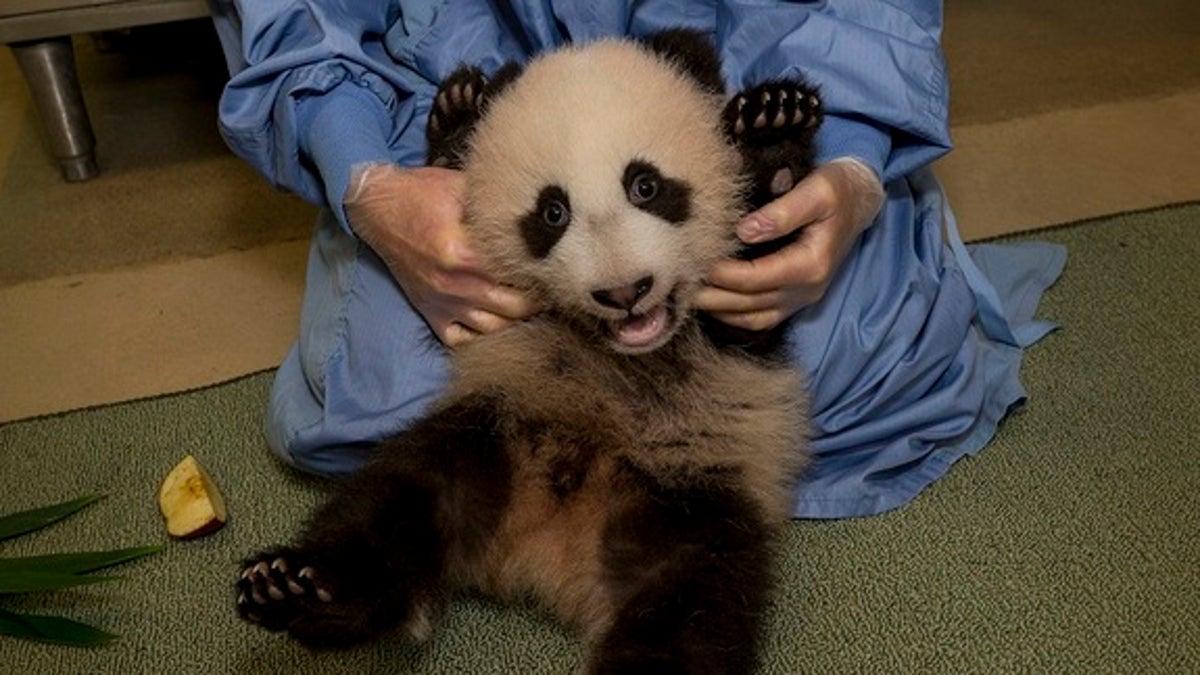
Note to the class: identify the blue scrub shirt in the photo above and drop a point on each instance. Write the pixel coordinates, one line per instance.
(913, 354)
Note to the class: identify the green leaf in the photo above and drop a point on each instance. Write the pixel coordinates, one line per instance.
(74, 563)
(35, 519)
(30, 582)
(52, 629)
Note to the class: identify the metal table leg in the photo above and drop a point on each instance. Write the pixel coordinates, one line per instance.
(49, 69)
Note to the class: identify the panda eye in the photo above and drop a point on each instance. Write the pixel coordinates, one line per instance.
(649, 190)
(546, 221)
(643, 188)
(556, 214)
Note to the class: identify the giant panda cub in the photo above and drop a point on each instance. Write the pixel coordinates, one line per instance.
(607, 458)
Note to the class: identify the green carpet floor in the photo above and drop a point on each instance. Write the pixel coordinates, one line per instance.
(1072, 544)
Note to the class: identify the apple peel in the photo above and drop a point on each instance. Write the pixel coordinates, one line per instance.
(190, 501)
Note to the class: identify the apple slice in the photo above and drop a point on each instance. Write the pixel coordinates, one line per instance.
(190, 501)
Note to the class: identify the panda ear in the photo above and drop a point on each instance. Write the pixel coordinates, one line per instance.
(693, 53)
(504, 76)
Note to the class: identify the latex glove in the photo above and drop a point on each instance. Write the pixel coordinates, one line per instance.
(830, 207)
(412, 218)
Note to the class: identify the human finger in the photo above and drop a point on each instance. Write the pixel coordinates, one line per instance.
(809, 201)
(759, 275)
(720, 300)
(510, 303)
(482, 322)
(455, 335)
(479, 291)
(761, 320)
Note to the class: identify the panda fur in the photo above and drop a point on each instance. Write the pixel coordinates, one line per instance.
(610, 457)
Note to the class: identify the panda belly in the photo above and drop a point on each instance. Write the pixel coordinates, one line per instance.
(573, 526)
(634, 498)
(550, 543)
(591, 446)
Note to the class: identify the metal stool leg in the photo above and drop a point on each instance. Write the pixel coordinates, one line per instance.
(49, 69)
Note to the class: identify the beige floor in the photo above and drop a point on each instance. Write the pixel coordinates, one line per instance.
(179, 267)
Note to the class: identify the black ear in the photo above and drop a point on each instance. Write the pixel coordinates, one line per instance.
(693, 53)
(460, 102)
(503, 77)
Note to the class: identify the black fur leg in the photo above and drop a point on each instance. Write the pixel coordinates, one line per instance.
(457, 107)
(376, 557)
(773, 124)
(368, 562)
(691, 567)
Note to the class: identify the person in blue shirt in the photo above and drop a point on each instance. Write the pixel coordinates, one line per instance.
(912, 351)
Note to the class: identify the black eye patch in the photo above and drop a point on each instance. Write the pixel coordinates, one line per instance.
(546, 223)
(654, 193)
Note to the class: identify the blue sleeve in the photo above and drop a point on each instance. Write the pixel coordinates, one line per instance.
(317, 87)
(291, 63)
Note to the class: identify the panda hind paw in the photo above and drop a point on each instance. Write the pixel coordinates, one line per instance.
(274, 589)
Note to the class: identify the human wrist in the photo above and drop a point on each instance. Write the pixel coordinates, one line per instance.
(866, 193)
(342, 130)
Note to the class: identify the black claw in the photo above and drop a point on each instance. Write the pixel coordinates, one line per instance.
(457, 107)
(274, 590)
(773, 125)
(307, 579)
(772, 113)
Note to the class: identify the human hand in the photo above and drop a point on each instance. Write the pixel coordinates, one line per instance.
(412, 218)
(828, 209)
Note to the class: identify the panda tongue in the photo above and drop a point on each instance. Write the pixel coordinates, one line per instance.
(643, 329)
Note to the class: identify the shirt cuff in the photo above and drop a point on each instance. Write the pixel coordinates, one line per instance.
(844, 137)
(344, 127)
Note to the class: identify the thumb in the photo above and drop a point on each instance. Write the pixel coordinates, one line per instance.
(791, 211)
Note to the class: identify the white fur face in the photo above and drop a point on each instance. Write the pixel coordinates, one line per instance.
(600, 180)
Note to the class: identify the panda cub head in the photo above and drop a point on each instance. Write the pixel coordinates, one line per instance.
(600, 181)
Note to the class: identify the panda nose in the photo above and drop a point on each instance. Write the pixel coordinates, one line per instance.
(624, 297)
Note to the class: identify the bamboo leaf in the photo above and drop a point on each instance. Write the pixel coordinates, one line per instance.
(35, 519)
(30, 582)
(52, 629)
(74, 563)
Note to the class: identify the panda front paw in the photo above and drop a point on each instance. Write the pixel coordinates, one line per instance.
(456, 108)
(772, 113)
(774, 125)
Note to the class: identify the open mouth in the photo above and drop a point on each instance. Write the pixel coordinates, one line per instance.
(646, 330)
